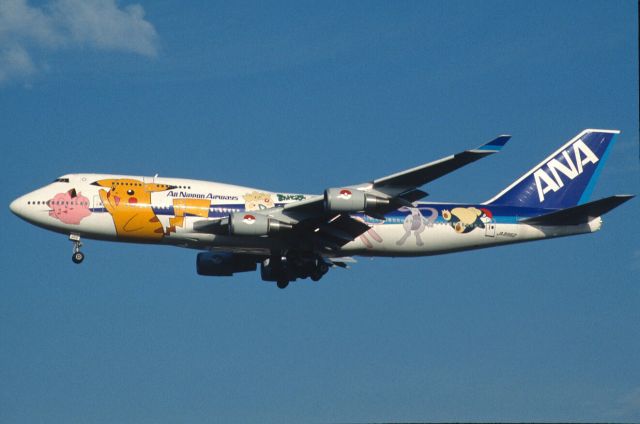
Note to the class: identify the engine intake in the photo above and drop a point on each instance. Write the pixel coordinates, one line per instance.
(253, 224)
(224, 264)
(346, 200)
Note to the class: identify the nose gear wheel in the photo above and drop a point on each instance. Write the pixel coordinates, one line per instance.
(77, 256)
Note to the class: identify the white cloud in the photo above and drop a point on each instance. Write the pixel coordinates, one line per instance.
(15, 61)
(65, 24)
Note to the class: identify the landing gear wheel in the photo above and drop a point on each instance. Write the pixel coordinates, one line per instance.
(282, 284)
(323, 268)
(77, 257)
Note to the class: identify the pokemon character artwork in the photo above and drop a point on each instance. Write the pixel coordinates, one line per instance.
(184, 207)
(465, 220)
(256, 200)
(128, 201)
(69, 207)
(416, 223)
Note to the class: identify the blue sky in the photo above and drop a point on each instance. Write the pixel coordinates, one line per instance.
(299, 97)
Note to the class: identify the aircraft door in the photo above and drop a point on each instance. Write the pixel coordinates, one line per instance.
(490, 229)
(97, 204)
(148, 180)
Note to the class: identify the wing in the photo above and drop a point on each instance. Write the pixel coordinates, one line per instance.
(403, 185)
(326, 222)
(404, 181)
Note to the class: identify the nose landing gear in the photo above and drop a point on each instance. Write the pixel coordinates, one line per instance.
(77, 256)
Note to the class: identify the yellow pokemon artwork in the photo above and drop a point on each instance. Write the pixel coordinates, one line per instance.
(129, 203)
(182, 207)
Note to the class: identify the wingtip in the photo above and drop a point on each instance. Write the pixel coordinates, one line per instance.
(501, 139)
(494, 145)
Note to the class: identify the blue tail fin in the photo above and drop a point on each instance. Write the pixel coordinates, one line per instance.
(564, 179)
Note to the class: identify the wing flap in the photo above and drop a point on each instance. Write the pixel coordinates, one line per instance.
(342, 229)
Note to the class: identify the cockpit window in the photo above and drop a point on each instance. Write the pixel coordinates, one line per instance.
(61, 180)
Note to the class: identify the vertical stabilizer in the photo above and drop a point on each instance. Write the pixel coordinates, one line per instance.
(566, 178)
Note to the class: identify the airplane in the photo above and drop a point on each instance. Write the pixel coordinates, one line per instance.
(296, 236)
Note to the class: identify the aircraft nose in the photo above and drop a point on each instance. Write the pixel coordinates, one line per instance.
(15, 206)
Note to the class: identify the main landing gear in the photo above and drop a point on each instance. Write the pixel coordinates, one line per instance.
(77, 256)
(285, 269)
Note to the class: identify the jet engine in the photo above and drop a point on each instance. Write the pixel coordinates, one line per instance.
(346, 200)
(253, 224)
(224, 264)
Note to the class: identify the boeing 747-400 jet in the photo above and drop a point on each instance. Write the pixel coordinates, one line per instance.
(297, 236)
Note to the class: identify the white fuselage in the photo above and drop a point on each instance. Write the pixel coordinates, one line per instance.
(163, 210)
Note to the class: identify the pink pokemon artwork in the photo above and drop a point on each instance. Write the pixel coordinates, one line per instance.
(69, 207)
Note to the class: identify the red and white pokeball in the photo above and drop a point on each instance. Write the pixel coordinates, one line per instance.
(345, 194)
(249, 219)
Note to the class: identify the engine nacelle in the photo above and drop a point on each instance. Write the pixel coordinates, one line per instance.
(253, 224)
(346, 200)
(224, 264)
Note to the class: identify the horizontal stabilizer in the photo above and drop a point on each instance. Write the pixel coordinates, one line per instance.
(579, 214)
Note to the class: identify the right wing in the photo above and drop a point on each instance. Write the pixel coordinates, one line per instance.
(312, 221)
(404, 185)
(405, 181)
